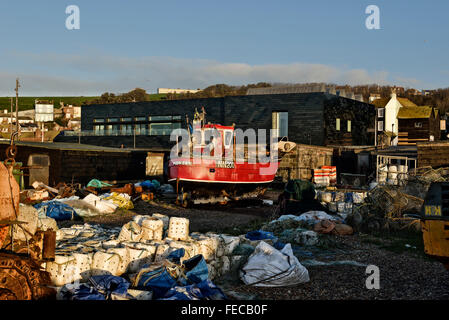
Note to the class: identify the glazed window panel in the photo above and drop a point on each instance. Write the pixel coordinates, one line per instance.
(160, 118)
(160, 129)
(280, 123)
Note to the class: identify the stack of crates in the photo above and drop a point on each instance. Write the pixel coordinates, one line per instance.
(325, 176)
(332, 172)
(321, 177)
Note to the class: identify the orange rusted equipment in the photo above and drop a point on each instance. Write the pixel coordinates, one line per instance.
(9, 200)
(21, 276)
(147, 196)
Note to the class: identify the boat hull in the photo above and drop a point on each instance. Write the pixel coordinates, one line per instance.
(204, 177)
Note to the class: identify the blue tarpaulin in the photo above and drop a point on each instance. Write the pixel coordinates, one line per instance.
(56, 210)
(98, 288)
(160, 281)
(260, 235)
(204, 290)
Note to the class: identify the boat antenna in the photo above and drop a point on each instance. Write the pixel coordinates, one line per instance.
(203, 115)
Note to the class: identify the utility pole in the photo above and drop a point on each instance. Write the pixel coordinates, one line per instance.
(17, 104)
(10, 117)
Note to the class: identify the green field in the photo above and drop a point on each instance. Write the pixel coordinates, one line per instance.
(27, 103)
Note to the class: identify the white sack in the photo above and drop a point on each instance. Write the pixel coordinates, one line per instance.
(266, 263)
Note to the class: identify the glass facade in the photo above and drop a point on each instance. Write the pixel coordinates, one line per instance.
(141, 125)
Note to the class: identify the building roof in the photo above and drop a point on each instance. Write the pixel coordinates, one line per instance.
(422, 112)
(381, 103)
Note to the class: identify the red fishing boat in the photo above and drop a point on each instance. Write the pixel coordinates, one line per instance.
(226, 171)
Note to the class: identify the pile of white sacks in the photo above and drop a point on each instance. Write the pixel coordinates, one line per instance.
(340, 202)
(86, 250)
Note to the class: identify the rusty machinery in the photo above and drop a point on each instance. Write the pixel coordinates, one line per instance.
(435, 222)
(21, 274)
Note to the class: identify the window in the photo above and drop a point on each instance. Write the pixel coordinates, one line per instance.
(418, 124)
(380, 126)
(337, 124)
(112, 119)
(141, 129)
(176, 117)
(99, 120)
(349, 125)
(380, 112)
(157, 129)
(126, 119)
(280, 123)
(140, 118)
(160, 118)
(126, 129)
(99, 130)
(442, 124)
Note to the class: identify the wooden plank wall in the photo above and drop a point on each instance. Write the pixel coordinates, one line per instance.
(303, 160)
(434, 154)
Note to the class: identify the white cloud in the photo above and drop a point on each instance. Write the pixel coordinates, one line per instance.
(95, 73)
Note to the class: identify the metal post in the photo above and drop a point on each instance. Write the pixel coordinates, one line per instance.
(134, 136)
(17, 104)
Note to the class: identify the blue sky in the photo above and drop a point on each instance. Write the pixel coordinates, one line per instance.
(126, 44)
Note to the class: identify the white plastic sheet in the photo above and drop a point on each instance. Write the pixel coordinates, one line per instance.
(269, 267)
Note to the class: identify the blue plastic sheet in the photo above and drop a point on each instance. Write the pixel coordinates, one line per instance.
(108, 284)
(204, 290)
(98, 288)
(57, 210)
(195, 269)
(260, 235)
(160, 281)
(349, 197)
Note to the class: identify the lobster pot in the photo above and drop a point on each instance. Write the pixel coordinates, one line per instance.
(392, 175)
(237, 262)
(152, 229)
(333, 206)
(178, 228)
(188, 248)
(392, 168)
(165, 219)
(130, 232)
(123, 255)
(137, 259)
(230, 243)
(348, 207)
(326, 197)
(392, 181)
(105, 263)
(341, 206)
(382, 178)
(162, 252)
(358, 197)
(62, 270)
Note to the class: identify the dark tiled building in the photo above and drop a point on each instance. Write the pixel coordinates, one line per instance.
(308, 118)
